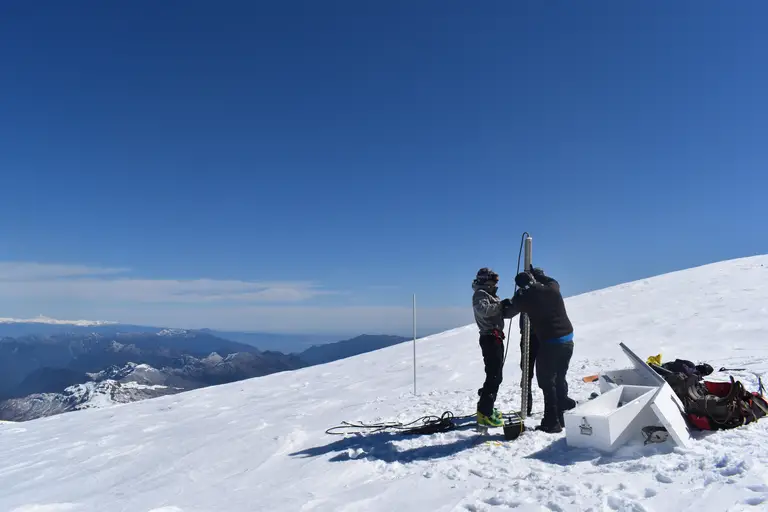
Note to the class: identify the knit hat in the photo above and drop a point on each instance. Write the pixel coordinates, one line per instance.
(486, 276)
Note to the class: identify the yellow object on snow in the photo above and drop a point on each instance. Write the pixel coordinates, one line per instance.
(654, 360)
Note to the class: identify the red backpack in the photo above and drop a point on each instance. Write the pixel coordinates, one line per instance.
(720, 405)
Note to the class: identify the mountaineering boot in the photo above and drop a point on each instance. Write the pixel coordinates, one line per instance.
(550, 423)
(497, 414)
(489, 421)
(555, 428)
(567, 404)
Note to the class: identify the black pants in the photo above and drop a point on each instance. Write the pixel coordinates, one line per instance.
(493, 358)
(533, 349)
(551, 367)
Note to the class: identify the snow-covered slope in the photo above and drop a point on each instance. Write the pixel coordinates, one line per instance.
(261, 444)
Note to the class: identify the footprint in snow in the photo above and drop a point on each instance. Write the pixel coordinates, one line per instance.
(554, 507)
(755, 501)
(734, 470)
(498, 501)
(624, 504)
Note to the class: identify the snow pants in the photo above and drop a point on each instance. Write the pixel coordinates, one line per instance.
(552, 363)
(493, 358)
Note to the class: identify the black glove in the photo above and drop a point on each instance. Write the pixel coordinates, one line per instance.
(506, 303)
(537, 272)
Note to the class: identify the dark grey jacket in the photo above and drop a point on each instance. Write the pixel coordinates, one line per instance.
(489, 312)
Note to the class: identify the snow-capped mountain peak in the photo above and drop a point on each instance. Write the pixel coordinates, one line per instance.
(173, 332)
(53, 321)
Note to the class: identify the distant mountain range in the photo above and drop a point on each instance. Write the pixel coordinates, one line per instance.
(44, 326)
(60, 367)
(286, 343)
(320, 354)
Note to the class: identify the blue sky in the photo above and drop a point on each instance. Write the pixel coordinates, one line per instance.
(307, 166)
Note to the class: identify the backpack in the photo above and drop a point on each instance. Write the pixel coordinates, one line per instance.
(717, 405)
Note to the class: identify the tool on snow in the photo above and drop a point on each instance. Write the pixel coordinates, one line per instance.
(655, 434)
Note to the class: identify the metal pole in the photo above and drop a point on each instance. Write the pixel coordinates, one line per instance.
(526, 381)
(414, 343)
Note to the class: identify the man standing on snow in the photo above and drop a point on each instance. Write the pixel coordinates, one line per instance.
(490, 313)
(539, 296)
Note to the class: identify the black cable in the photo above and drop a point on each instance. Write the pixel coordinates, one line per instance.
(429, 425)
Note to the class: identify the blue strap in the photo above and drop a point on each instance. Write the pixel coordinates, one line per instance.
(562, 339)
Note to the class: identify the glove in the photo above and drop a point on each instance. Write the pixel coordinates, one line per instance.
(537, 272)
(506, 303)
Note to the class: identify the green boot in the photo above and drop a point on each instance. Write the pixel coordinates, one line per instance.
(486, 421)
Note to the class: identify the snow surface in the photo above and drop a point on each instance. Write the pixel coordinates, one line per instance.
(261, 444)
(53, 321)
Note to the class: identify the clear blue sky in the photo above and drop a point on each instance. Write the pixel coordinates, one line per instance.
(307, 166)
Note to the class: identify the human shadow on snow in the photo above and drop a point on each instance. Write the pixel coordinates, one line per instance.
(380, 446)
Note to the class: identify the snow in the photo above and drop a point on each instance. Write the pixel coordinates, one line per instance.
(261, 444)
(136, 385)
(173, 332)
(52, 321)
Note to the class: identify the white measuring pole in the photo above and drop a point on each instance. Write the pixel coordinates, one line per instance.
(414, 343)
(526, 382)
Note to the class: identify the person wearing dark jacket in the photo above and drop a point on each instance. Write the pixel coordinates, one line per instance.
(539, 296)
(490, 312)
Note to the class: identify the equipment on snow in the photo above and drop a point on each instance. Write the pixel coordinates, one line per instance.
(655, 434)
(514, 426)
(429, 425)
(525, 356)
(713, 405)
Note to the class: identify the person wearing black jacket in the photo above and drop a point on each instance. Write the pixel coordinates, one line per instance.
(539, 296)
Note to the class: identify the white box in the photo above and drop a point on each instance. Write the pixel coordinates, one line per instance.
(612, 419)
(639, 375)
(632, 399)
(628, 376)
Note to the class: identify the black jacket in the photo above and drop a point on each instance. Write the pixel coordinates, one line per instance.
(545, 307)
